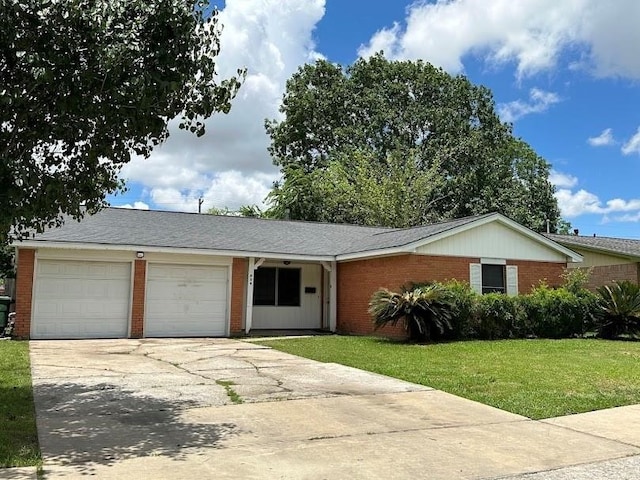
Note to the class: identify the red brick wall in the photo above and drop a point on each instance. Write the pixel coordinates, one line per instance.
(24, 291)
(358, 280)
(531, 273)
(137, 302)
(604, 275)
(238, 280)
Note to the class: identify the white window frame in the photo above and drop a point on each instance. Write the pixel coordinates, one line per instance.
(510, 274)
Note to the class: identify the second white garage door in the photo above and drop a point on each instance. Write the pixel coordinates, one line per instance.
(186, 301)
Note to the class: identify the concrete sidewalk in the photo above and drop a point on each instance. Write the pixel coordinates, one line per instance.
(153, 409)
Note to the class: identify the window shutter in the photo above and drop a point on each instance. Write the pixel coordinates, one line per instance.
(475, 277)
(512, 280)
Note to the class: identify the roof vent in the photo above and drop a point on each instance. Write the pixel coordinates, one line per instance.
(576, 231)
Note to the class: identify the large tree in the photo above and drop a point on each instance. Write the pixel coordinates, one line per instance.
(358, 189)
(407, 116)
(84, 84)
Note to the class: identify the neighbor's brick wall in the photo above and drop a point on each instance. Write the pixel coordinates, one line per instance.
(608, 274)
(358, 280)
(137, 303)
(238, 280)
(531, 273)
(24, 291)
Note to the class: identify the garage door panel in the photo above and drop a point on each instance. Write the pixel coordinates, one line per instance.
(186, 301)
(75, 299)
(215, 309)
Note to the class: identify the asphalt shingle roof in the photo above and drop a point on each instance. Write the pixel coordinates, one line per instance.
(620, 246)
(150, 228)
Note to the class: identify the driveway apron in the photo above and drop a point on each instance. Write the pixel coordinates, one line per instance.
(220, 408)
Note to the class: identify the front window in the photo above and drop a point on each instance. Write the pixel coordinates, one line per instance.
(279, 287)
(493, 278)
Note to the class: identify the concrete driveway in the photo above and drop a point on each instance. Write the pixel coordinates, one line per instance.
(154, 409)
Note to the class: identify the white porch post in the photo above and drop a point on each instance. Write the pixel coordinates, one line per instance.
(248, 318)
(333, 296)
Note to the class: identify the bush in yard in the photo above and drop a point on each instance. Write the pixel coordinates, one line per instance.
(575, 280)
(496, 316)
(556, 313)
(463, 302)
(423, 310)
(618, 310)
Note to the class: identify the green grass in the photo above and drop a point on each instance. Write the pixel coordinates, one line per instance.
(18, 435)
(534, 378)
(231, 393)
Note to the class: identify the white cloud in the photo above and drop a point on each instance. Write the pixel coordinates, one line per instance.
(562, 180)
(602, 140)
(230, 164)
(230, 189)
(582, 202)
(573, 204)
(632, 145)
(634, 217)
(539, 102)
(136, 206)
(530, 33)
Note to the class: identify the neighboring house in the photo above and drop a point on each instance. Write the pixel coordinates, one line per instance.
(135, 273)
(609, 259)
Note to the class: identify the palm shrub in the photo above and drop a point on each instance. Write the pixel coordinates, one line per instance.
(423, 310)
(618, 310)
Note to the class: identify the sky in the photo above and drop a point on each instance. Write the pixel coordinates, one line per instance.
(565, 73)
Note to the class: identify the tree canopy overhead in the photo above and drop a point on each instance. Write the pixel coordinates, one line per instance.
(434, 140)
(84, 84)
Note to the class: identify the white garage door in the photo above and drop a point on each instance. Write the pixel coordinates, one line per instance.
(186, 301)
(75, 299)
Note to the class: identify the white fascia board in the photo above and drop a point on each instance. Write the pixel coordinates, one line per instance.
(190, 251)
(411, 247)
(375, 253)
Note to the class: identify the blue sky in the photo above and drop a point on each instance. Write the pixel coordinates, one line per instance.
(566, 74)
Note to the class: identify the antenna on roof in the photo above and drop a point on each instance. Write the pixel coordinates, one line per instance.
(200, 202)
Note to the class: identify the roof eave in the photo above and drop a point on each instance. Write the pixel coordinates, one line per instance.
(412, 247)
(155, 249)
(606, 251)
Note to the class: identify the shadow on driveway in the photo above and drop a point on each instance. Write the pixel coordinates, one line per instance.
(83, 425)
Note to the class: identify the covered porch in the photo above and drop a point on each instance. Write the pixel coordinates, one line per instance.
(290, 294)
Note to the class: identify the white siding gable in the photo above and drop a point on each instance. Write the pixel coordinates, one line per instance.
(492, 240)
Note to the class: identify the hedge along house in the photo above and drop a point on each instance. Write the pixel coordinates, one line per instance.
(608, 259)
(134, 273)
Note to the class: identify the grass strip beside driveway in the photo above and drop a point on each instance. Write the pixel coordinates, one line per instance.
(534, 378)
(18, 434)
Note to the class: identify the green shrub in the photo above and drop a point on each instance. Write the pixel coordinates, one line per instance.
(618, 310)
(463, 302)
(496, 316)
(423, 310)
(556, 313)
(575, 280)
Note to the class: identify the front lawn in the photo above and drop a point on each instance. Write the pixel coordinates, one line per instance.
(18, 435)
(534, 378)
